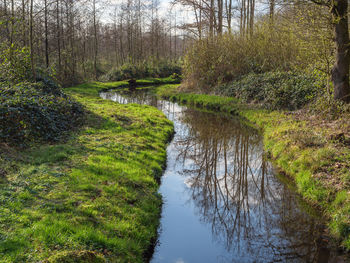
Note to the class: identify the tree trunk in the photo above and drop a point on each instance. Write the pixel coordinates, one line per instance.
(46, 36)
(6, 21)
(24, 24)
(229, 15)
(252, 15)
(95, 39)
(58, 37)
(211, 19)
(12, 23)
(32, 40)
(272, 10)
(220, 16)
(340, 71)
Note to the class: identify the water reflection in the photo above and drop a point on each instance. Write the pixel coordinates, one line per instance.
(223, 202)
(233, 187)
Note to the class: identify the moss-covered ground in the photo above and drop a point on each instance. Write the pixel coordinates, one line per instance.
(92, 198)
(313, 152)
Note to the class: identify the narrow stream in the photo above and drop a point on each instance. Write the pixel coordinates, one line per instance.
(223, 202)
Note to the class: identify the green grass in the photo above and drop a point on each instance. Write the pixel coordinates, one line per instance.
(158, 81)
(200, 101)
(319, 167)
(93, 198)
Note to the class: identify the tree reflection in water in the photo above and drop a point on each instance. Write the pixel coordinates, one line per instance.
(235, 191)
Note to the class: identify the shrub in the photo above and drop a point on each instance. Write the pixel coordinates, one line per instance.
(49, 84)
(30, 112)
(160, 69)
(287, 45)
(14, 64)
(274, 90)
(16, 67)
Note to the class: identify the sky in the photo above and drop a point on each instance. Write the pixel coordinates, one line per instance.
(164, 7)
(182, 17)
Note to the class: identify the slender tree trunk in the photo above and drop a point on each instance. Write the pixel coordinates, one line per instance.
(152, 29)
(252, 15)
(175, 37)
(340, 72)
(220, 16)
(229, 15)
(6, 21)
(46, 35)
(58, 36)
(200, 19)
(72, 36)
(170, 40)
(197, 17)
(272, 10)
(140, 29)
(84, 53)
(32, 38)
(211, 19)
(12, 19)
(243, 17)
(121, 40)
(247, 23)
(24, 24)
(95, 39)
(115, 36)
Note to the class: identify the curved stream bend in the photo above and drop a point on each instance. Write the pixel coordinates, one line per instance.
(222, 200)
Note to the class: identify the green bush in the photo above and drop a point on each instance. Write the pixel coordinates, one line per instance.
(14, 64)
(289, 44)
(31, 112)
(160, 69)
(274, 90)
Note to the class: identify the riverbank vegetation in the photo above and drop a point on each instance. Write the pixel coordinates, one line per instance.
(289, 66)
(286, 59)
(312, 152)
(91, 198)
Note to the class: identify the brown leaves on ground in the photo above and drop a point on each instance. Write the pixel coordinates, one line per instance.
(336, 130)
(319, 132)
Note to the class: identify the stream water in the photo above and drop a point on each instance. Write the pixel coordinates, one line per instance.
(223, 201)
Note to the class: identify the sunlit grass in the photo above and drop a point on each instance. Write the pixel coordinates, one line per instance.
(200, 101)
(93, 198)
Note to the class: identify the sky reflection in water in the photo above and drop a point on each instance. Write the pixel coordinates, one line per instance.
(222, 200)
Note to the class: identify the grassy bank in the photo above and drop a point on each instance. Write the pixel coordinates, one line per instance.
(92, 198)
(315, 153)
(200, 101)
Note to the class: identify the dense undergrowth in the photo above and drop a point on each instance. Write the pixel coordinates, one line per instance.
(283, 64)
(315, 154)
(148, 69)
(273, 90)
(30, 112)
(92, 198)
(33, 108)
